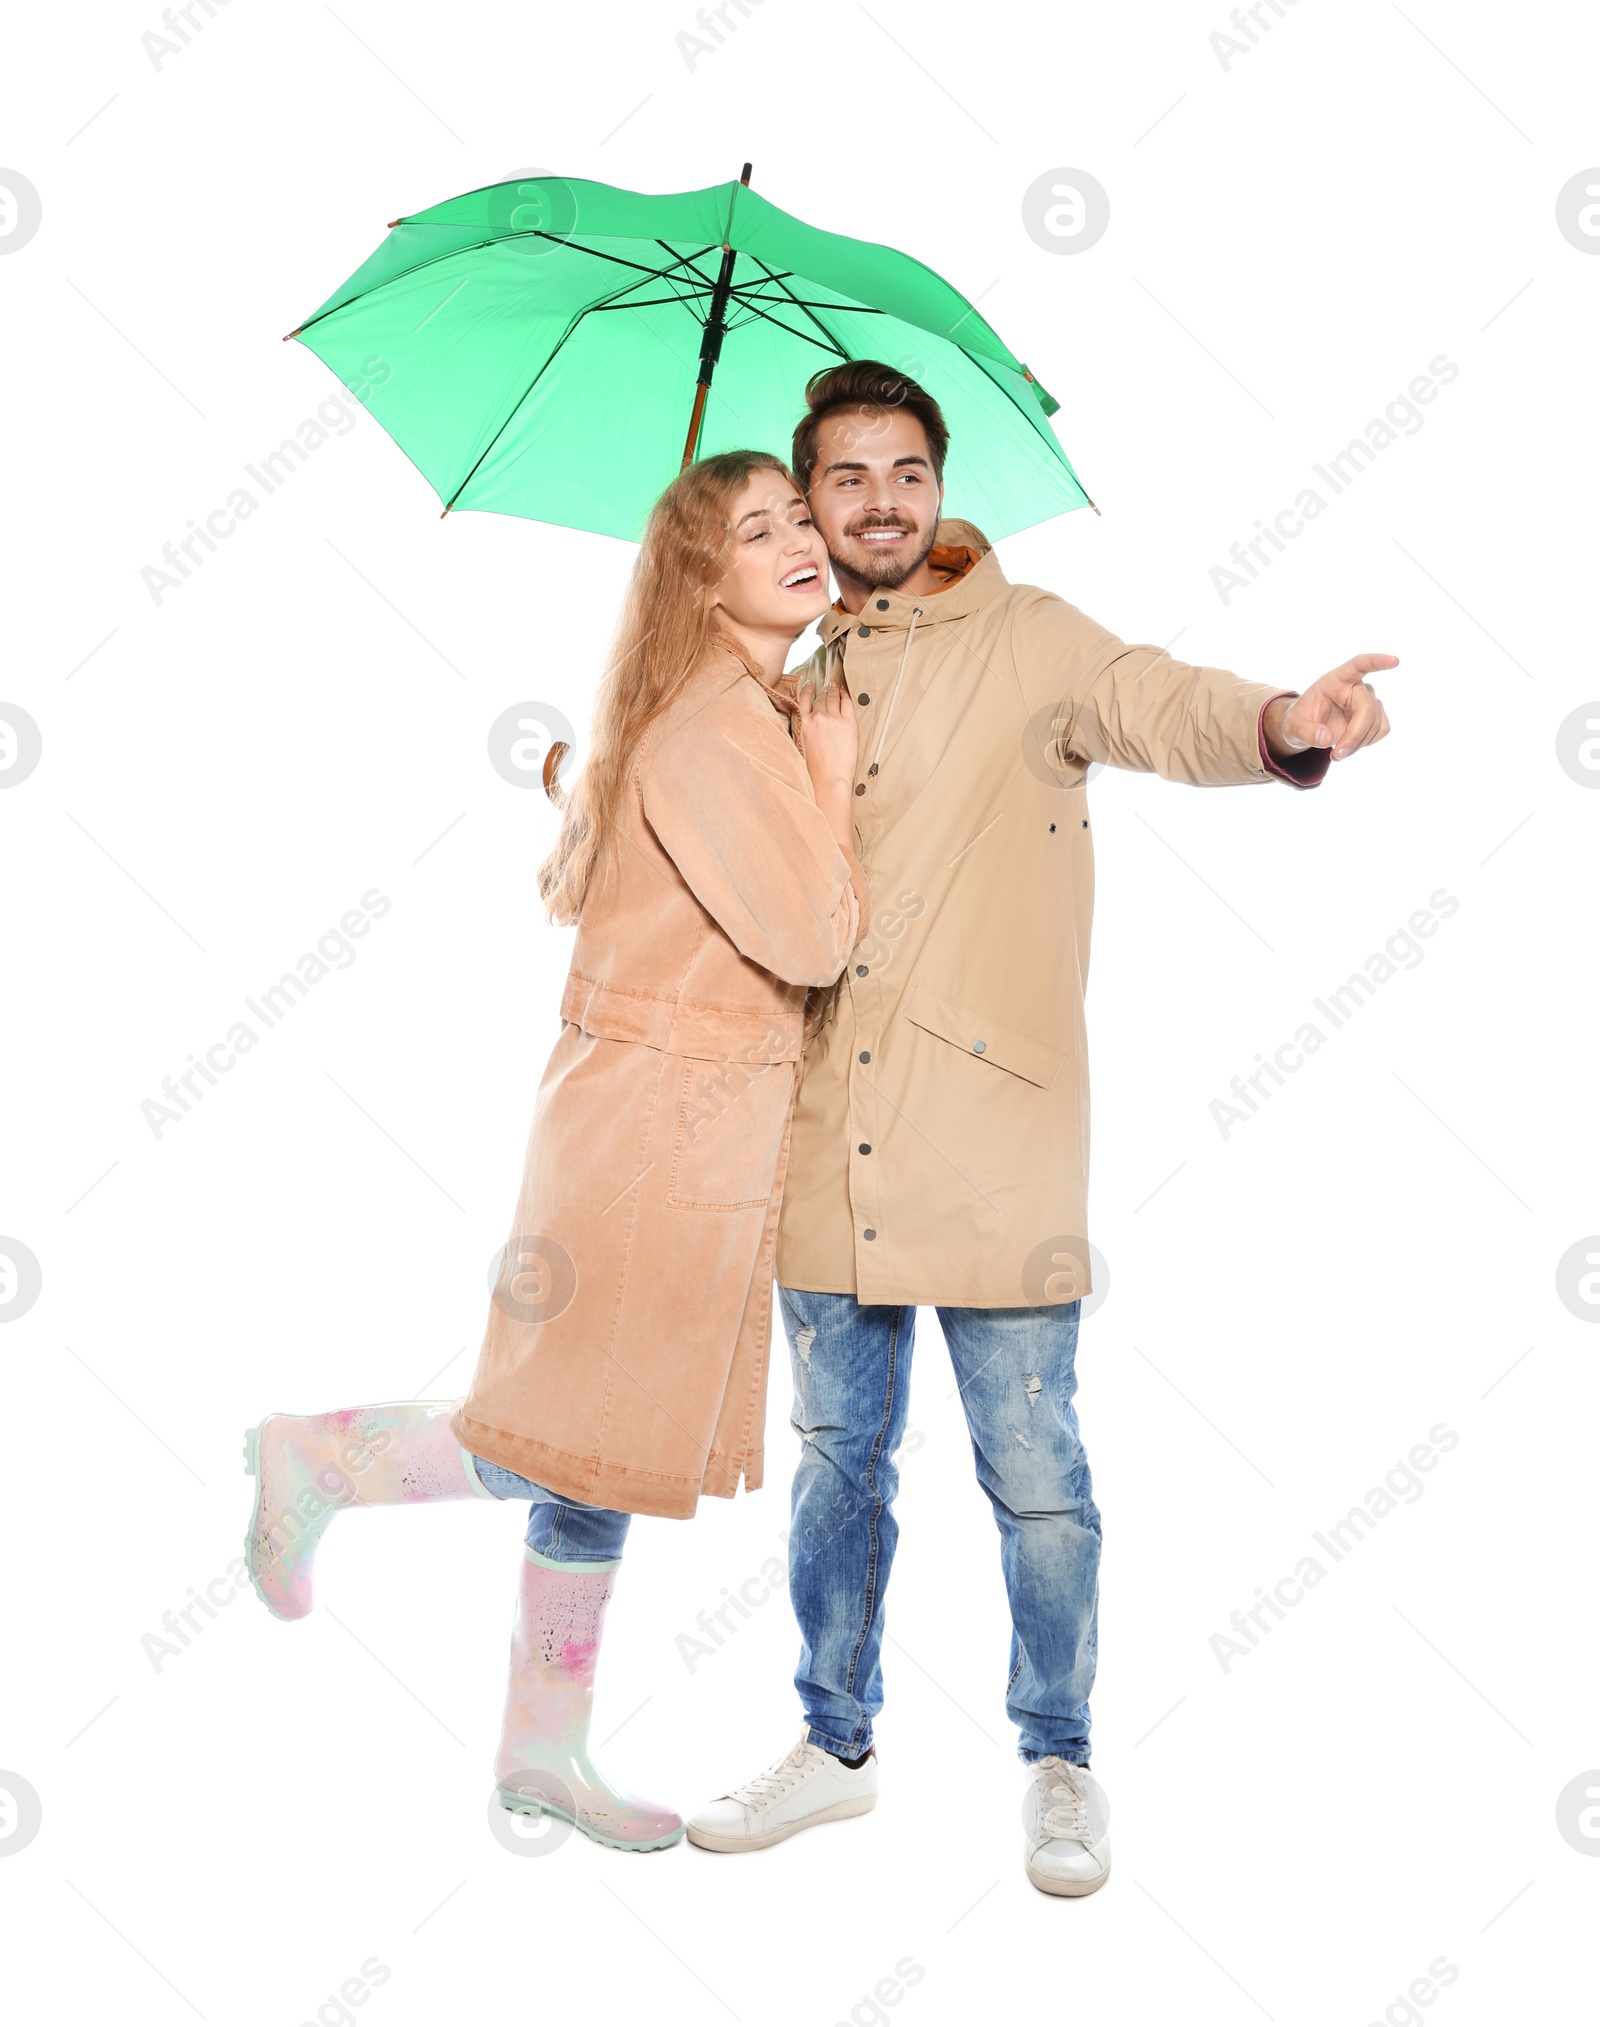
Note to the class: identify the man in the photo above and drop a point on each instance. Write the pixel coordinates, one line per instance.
(941, 1133)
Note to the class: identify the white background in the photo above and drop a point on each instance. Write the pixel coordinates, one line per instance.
(1293, 238)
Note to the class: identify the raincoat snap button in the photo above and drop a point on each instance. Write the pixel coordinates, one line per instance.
(861, 971)
(869, 1233)
(861, 788)
(863, 631)
(883, 605)
(978, 1048)
(866, 1055)
(865, 1147)
(863, 698)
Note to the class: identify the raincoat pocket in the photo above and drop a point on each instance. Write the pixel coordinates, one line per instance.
(980, 1036)
(728, 1133)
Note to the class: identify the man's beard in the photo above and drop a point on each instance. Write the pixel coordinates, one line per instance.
(880, 568)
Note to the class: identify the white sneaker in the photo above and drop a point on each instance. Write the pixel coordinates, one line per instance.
(1065, 1818)
(806, 1786)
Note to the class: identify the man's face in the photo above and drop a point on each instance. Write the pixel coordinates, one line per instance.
(874, 495)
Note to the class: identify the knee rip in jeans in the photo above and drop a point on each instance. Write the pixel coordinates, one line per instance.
(1032, 1386)
(803, 1421)
(803, 1341)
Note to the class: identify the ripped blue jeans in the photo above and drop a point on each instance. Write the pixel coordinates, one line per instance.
(560, 1529)
(1015, 1370)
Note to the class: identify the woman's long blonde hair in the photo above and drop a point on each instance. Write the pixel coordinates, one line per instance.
(664, 630)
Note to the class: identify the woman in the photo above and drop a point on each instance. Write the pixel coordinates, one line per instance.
(707, 858)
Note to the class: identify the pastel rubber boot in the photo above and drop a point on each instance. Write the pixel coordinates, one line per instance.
(307, 1468)
(543, 1766)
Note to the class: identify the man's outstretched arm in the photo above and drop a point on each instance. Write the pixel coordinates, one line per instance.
(1136, 707)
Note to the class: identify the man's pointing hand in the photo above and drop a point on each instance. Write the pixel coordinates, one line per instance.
(1338, 711)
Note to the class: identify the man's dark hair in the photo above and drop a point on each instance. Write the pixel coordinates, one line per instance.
(870, 385)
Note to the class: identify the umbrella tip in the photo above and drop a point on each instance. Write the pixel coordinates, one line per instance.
(745, 177)
(294, 333)
(393, 222)
(447, 509)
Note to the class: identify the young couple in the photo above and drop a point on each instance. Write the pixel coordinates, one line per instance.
(824, 1022)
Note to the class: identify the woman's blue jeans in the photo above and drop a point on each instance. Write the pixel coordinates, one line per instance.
(560, 1529)
(1015, 1371)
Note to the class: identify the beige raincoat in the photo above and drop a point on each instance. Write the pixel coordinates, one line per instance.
(940, 1151)
(625, 1359)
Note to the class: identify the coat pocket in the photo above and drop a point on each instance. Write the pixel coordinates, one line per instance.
(728, 1133)
(979, 1036)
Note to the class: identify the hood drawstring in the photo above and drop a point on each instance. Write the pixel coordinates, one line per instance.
(883, 729)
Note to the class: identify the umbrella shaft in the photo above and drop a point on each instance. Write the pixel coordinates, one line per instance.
(715, 328)
(711, 338)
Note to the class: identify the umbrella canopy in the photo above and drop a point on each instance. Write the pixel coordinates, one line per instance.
(558, 349)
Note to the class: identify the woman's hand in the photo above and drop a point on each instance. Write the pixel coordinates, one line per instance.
(826, 733)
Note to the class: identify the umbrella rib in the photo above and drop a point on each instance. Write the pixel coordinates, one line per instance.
(821, 326)
(805, 337)
(587, 310)
(739, 288)
(652, 274)
(655, 274)
(388, 282)
(706, 285)
(844, 309)
(687, 259)
(651, 303)
(511, 413)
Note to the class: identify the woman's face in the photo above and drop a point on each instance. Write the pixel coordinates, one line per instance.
(777, 574)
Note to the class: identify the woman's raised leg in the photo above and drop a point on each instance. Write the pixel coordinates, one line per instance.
(308, 1467)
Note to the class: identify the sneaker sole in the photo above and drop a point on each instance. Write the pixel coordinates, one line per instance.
(523, 1805)
(716, 1840)
(1073, 1889)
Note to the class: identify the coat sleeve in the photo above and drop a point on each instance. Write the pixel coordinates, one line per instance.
(1135, 706)
(727, 794)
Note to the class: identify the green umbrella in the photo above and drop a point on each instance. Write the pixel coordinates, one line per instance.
(559, 349)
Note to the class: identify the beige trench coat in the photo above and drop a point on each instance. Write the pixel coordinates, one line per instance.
(940, 1151)
(624, 1363)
